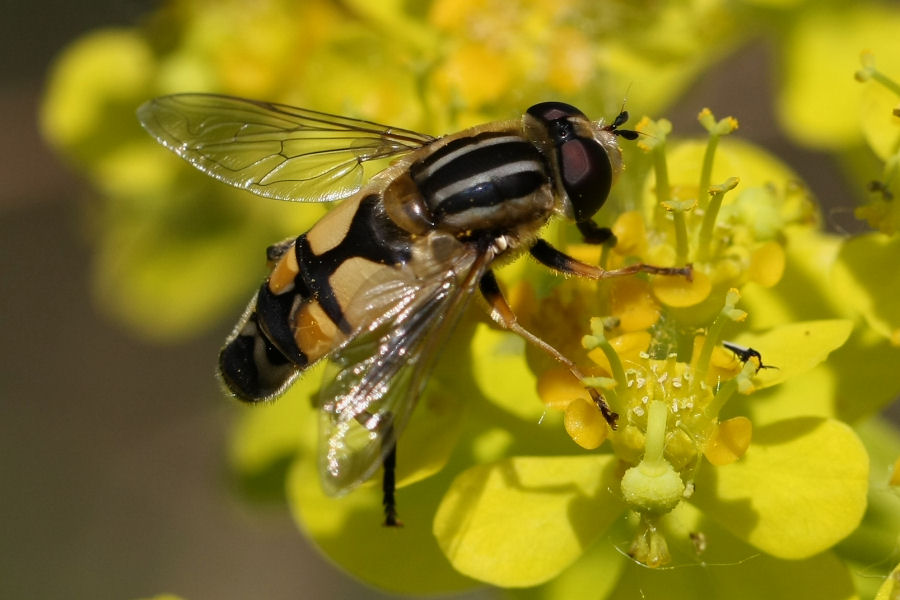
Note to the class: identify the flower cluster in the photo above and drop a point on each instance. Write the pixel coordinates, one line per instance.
(655, 351)
(734, 388)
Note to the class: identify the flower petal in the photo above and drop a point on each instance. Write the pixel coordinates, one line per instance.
(349, 531)
(877, 119)
(595, 575)
(804, 291)
(521, 521)
(835, 38)
(267, 439)
(82, 88)
(858, 380)
(499, 352)
(890, 589)
(867, 277)
(800, 488)
(872, 547)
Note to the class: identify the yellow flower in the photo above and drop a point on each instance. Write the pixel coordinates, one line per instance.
(799, 476)
(820, 51)
(676, 465)
(763, 488)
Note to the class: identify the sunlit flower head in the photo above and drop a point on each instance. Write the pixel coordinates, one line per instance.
(727, 453)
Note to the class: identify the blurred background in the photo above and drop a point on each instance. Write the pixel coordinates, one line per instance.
(113, 448)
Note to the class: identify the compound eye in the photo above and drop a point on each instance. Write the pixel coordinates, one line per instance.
(586, 175)
(548, 112)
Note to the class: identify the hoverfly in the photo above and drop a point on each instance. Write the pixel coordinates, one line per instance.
(376, 285)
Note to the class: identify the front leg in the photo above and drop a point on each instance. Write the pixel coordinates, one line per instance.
(559, 261)
(594, 234)
(503, 314)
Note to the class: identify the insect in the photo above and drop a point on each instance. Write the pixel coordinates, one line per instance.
(376, 285)
(745, 353)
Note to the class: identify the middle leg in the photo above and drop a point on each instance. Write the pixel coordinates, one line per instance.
(502, 313)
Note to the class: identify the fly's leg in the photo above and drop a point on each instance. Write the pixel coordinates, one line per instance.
(594, 234)
(559, 261)
(389, 477)
(388, 486)
(503, 314)
(385, 428)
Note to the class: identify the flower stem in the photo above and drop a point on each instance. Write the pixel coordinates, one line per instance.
(681, 237)
(722, 396)
(663, 190)
(653, 485)
(657, 416)
(604, 255)
(706, 170)
(615, 363)
(704, 241)
(885, 81)
(712, 340)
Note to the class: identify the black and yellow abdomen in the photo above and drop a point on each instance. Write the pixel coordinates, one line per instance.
(306, 308)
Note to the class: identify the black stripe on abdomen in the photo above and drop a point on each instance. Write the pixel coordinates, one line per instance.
(274, 316)
(371, 235)
(251, 366)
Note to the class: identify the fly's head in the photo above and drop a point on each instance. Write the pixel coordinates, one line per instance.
(584, 155)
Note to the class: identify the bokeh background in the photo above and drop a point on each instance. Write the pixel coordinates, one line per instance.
(112, 450)
(113, 476)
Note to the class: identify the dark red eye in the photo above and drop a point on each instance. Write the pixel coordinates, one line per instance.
(584, 167)
(586, 175)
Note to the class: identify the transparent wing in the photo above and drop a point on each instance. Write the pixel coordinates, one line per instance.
(273, 150)
(379, 376)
